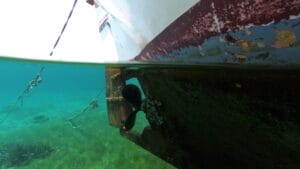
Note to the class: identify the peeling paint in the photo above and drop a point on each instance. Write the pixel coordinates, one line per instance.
(238, 28)
(245, 45)
(285, 39)
(241, 58)
(247, 31)
(216, 19)
(261, 45)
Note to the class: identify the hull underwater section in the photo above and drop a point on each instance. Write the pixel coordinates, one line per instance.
(223, 79)
(214, 117)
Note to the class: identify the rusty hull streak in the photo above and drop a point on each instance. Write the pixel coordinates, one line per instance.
(211, 17)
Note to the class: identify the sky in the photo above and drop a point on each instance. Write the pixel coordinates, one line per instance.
(29, 29)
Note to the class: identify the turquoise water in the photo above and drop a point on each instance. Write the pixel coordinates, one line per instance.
(37, 134)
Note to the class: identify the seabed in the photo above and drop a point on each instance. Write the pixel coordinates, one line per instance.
(37, 133)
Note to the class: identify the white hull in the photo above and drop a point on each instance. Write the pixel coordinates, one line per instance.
(170, 32)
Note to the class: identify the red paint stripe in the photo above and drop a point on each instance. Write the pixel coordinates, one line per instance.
(199, 23)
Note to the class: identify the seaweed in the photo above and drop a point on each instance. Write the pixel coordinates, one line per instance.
(18, 154)
(40, 119)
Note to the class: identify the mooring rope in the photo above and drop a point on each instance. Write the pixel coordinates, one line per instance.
(93, 104)
(31, 84)
(64, 27)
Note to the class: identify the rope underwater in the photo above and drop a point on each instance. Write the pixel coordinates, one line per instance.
(92, 105)
(38, 79)
(31, 84)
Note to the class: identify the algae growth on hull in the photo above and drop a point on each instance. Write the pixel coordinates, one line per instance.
(37, 133)
(225, 116)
